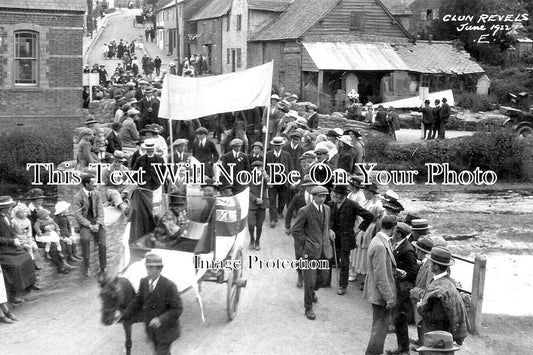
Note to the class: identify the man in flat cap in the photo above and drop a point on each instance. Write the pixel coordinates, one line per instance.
(160, 306)
(237, 157)
(129, 134)
(311, 235)
(205, 150)
(295, 150)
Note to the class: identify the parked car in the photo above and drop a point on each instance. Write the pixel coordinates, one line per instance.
(520, 121)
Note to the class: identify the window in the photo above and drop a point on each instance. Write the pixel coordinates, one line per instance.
(435, 14)
(238, 64)
(26, 58)
(357, 21)
(227, 23)
(239, 19)
(229, 56)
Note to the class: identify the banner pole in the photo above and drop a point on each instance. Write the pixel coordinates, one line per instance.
(264, 154)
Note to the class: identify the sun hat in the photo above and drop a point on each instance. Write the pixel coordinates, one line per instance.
(438, 341)
(6, 202)
(60, 207)
(419, 224)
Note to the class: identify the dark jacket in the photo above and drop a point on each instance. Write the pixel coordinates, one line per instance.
(297, 202)
(163, 302)
(150, 176)
(406, 260)
(343, 220)
(311, 233)
(113, 143)
(427, 115)
(445, 112)
(207, 154)
(295, 155)
(284, 159)
(241, 164)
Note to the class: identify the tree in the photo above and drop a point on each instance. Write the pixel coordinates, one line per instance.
(481, 40)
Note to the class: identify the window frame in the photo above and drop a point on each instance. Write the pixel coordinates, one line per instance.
(353, 21)
(228, 53)
(239, 22)
(17, 58)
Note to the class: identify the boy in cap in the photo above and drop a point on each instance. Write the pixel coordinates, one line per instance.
(258, 205)
(180, 154)
(257, 152)
(312, 239)
(237, 157)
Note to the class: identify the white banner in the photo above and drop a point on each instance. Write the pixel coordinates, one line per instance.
(185, 98)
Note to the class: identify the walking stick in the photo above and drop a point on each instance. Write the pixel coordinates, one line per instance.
(336, 263)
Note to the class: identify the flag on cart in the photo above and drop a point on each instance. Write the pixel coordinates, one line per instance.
(185, 98)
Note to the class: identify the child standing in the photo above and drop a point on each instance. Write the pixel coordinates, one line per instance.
(100, 142)
(46, 231)
(65, 230)
(22, 226)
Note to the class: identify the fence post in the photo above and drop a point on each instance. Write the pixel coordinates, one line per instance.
(478, 287)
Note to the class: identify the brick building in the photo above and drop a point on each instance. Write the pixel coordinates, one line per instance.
(40, 64)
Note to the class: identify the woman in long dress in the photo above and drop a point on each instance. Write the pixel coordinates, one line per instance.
(374, 206)
(5, 315)
(356, 194)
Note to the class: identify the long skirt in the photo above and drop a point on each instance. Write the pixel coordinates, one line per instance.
(18, 269)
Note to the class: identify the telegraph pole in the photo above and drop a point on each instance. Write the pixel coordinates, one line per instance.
(177, 32)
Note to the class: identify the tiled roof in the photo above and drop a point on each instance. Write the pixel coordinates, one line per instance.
(269, 5)
(425, 57)
(293, 23)
(398, 7)
(55, 5)
(213, 9)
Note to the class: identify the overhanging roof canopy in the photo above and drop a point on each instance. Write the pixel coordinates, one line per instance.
(354, 56)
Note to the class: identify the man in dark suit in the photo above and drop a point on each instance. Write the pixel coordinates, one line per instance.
(299, 200)
(344, 213)
(160, 306)
(145, 163)
(90, 217)
(113, 139)
(277, 192)
(257, 152)
(258, 206)
(180, 154)
(444, 117)
(406, 263)
(205, 150)
(237, 157)
(311, 234)
(149, 107)
(295, 150)
(428, 119)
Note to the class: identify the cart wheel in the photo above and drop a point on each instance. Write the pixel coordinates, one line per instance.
(234, 291)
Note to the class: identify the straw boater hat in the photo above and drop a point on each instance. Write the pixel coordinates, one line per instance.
(6, 202)
(346, 140)
(438, 341)
(35, 194)
(90, 119)
(148, 144)
(277, 141)
(61, 207)
(424, 244)
(152, 259)
(419, 224)
(180, 141)
(441, 256)
(119, 155)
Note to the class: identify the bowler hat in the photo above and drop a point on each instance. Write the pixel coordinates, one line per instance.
(438, 341)
(306, 155)
(372, 187)
(356, 181)
(236, 142)
(419, 224)
(61, 207)
(152, 259)
(209, 182)
(90, 119)
(6, 202)
(332, 133)
(180, 141)
(441, 256)
(306, 181)
(258, 144)
(319, 190)
(340, 189)
(424, 244)
(277, 141)
(201, 130)
(35, 193)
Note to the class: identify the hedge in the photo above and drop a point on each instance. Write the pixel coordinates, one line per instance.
(19, 148)
(500, 151)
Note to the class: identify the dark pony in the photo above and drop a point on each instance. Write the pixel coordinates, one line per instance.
(116, 294)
